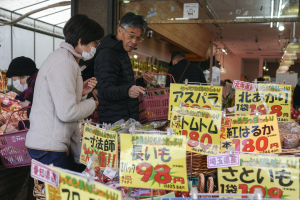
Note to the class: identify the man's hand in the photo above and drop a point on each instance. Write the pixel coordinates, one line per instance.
(24, 103)
(89, 85)
(135, 91)
(148, 77)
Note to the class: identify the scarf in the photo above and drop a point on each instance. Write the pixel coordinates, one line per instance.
(28, 93)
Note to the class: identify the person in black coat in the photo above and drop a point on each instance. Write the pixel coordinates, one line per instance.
(296, 97)
(182, 69)
(117, 90)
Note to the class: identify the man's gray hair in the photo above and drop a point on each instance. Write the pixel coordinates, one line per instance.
(133, 21)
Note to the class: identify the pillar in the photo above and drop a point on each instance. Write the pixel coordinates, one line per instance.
(260, 68)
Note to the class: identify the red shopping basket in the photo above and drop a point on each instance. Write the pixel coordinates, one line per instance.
(13, 151)
(154, 107)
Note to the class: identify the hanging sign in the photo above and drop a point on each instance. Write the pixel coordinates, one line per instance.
(104, 143)
(252, 133)
(201, 127)
(269, 99)
(74, 186)
(196, 96)
(277, 177)
(246, 86)
(153, 161)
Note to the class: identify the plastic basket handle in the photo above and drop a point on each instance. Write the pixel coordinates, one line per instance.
(170, 75)
(22, 109)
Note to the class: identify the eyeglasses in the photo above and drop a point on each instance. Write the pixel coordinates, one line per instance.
(140, 39)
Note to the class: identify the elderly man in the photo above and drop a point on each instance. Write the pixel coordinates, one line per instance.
(117, 90)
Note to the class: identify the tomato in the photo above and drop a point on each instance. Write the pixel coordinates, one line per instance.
(186, 194)
(298, 117)
(292, 112)
(97, 169)
(296, 112)
(295, 116)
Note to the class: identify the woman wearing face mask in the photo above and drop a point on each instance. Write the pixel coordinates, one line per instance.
(23, 72)
(60, 95)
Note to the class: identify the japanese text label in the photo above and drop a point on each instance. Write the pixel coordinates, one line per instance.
(202, 128)
(269, 99)
(251, 87)
(277, 177)
(104, 143)
(72, 186)
(251, 133)
(223, 160)
(153, 161)
(195, 95)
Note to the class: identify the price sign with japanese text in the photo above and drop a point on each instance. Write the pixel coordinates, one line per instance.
(196, 96)
(104, 143)
(277, 177)
(201, 127)
(252, 133)
(73, 186)
(153, 161)
(269, 99)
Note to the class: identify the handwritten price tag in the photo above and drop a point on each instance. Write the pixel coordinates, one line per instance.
(109, 173)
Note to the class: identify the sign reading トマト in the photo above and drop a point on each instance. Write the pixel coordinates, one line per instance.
(252, 133)
(269, 99)
(153, 161)
(277, 177)
(201, 127)
(102, 142)
(72, 186)
(196, 96)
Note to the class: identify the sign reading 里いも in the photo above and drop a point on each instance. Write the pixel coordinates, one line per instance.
(269, 99)
(195, 95)
(277, 177)
(201, 127)
(223, 160)
(251, 87)
(73, 186)
(153, 161)
(104, 143)
(252, 133)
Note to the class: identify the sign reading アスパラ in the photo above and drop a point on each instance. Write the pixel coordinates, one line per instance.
(277, 177)
(201, 127)
(72, 186)
(153, 161)
(252, 133)
(195, 95)
(269, 99)
(104, 143)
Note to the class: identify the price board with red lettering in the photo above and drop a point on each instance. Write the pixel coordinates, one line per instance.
(277, 177)
(195, 95)
(201, 127)
(269, 99)
(252, 133)
(102, 142)
(73, 185)
(153, 161)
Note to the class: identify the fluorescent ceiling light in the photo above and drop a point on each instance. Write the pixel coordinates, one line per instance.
(126, 1)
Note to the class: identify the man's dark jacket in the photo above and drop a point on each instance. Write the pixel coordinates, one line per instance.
(193, 73)
(115, 77)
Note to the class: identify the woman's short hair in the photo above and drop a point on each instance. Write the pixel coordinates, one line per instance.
(80, 26)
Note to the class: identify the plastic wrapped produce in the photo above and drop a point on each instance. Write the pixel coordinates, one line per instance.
(290, 141)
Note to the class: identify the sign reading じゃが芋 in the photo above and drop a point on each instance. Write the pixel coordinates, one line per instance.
(196, 96)
(102, 142)
(201, 127)
(277, 177)
(269, 99)
(252, 133)
(74, 186)
(153, 161)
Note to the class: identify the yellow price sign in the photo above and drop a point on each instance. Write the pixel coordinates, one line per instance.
(102, 142)
(252, 133)
(75, 186)
(153, 161)
(277, 177)
(196, 96)
(269, 99)
(201, 127)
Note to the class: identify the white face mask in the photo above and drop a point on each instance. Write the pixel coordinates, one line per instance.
(87, 56)
(19, 86)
